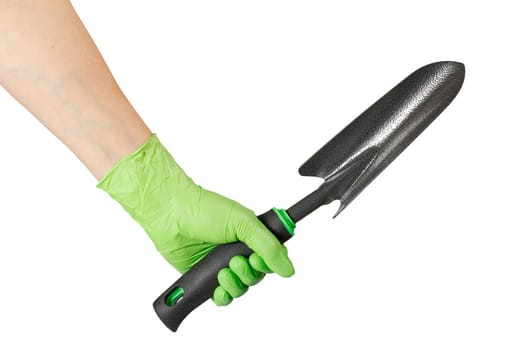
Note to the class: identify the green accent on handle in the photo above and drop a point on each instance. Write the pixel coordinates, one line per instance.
(285, 219)
(174, 296)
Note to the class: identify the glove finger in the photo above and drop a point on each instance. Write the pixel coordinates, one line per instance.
(221, 297)
(257, 263)
(265, 244)
(231, 283)
(241, 267)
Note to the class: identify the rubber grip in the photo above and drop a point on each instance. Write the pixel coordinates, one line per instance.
(197, 285)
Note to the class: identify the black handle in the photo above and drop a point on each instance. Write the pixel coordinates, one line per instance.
(197, 285)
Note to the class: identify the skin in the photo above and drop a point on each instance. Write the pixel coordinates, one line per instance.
(50, 64)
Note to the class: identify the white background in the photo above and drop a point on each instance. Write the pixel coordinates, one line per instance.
(430, 256)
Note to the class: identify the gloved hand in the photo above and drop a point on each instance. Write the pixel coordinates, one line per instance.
(186, 221)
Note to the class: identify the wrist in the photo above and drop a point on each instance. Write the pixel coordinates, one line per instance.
(138, 179)
(115, 145)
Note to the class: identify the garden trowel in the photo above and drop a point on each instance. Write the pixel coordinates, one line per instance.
(347, 163)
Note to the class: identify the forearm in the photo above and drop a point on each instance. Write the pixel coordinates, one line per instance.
(50, 64)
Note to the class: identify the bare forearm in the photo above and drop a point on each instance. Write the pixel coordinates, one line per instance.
(50, 64)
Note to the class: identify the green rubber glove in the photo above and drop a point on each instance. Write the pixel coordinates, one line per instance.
(186, 221)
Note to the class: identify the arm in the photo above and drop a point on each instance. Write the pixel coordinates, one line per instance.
(50, 64)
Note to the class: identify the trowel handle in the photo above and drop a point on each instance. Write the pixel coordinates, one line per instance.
(197, 285)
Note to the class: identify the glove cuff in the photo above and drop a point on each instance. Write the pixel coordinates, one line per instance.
(137, 180)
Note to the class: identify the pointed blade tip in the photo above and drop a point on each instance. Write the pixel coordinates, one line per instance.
(454, 67)
(459, 66)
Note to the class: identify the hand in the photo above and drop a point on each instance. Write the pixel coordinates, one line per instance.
(186, 221)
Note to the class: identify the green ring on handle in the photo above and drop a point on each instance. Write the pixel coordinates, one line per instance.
(174, 296)
(286, 220)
